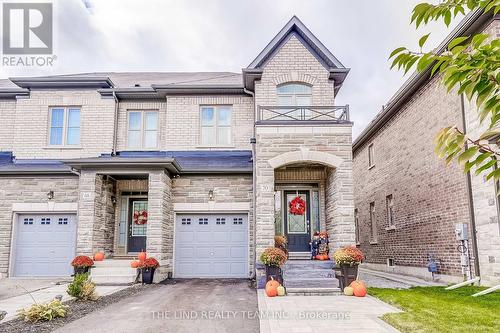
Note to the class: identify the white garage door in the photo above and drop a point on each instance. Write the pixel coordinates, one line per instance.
(44, 245)
(211, 245)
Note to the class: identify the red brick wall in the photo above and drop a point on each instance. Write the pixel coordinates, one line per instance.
(429, 198)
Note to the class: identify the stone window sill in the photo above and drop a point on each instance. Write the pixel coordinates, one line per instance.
(63, 147)
(392, 227)
(373, 242)
(215, 147)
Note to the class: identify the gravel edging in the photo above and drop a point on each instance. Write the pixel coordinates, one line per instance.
(77, 310)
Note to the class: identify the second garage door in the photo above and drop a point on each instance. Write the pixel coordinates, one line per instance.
(211, 246)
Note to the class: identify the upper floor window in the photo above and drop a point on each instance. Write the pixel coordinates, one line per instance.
(294, 94)
(142, 129)
(356, 226)
(371, 161)
(64, 126)
(390, 210)
(216, 125)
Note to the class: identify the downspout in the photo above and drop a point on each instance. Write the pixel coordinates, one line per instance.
(470, 198)
(254, 183)
(115, 125)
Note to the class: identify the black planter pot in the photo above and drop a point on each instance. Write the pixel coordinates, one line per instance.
(147, 275)
(81, 270)
(349, 274)
(274, 272)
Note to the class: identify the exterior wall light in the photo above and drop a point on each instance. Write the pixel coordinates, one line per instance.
(211, 195)
(50, 195)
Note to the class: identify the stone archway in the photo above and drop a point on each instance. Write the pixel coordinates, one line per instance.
(305, 156)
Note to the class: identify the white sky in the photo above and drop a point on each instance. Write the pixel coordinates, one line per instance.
(226, 35)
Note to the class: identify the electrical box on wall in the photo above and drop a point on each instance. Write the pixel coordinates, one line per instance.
(461, 231)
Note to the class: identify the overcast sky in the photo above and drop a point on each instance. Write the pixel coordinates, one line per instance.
(226, 35)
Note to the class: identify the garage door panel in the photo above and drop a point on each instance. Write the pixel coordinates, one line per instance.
(220, 246)
(44, 245)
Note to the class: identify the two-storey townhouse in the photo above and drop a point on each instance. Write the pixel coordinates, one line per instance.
(197, 169)
(408, 202)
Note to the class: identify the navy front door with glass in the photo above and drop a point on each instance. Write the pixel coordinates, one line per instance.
(297, 226)
(137, 222)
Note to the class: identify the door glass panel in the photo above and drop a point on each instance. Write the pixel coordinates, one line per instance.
(315, 211)
(278, 221)
(139, 207)
(296, 224)
(123, 221)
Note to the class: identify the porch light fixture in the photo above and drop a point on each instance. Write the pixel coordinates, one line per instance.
(113, 200)
(50, 195)
(211, 195)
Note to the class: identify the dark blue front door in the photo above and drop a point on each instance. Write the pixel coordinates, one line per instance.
(297, 227)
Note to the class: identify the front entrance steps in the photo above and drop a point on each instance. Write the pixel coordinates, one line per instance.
(310, 278)
(113, 272)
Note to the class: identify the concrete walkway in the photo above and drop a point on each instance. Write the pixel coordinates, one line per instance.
(308, 314)
(41, 295)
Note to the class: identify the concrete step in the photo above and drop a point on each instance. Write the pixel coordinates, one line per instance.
(311, 283)
(308, 273)
(113, 262)
(308, 264)
(113, 270)
(313, 291)
(113, 279)
(299, 256)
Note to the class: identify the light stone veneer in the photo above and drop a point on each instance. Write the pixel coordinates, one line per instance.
(17, 193)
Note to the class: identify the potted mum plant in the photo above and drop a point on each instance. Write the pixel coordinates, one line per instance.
(273, 258)
(148, 267)
(82, 264)
(348, 259)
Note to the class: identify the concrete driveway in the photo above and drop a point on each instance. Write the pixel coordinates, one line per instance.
(186, 306)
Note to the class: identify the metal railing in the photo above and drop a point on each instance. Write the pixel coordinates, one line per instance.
(337, 114)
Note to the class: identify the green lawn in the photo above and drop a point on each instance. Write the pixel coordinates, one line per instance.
(433, 309)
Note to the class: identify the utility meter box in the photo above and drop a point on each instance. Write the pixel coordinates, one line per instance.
(461, 231)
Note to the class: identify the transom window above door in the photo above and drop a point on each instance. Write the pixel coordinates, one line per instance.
(215, 125)
(294, 94)
(142, 129)
(64, 126)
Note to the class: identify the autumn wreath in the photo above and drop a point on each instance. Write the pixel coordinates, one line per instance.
(140, 217)
(297, 206)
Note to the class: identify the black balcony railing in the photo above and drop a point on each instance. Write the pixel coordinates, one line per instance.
(336, 114)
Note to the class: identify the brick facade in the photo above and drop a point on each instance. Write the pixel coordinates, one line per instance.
(429, 197)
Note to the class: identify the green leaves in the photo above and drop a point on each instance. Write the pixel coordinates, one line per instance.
(471, 64)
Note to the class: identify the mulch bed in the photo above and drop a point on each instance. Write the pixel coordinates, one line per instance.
(77, 310)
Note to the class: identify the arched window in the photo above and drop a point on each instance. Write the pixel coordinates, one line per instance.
(294, 94)
(297, 95)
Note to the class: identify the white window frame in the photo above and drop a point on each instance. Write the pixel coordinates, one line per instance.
(391, 220)
(216, 126)
(373, 224)
(294, 96)
(371, 156)
(65, 127)
(143, 129)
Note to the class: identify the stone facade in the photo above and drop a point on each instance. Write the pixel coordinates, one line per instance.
(29, 190)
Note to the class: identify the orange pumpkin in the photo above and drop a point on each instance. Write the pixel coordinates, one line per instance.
(134, 263)
(318, 257)
(359, 290)
(272, 287)
(142, 256)
(99, 256)
(357, 283)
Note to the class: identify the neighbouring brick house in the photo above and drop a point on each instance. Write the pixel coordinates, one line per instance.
(407, 201)
(213, 159)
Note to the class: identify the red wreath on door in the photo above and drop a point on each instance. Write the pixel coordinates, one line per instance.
(297, 206)
(140, 217)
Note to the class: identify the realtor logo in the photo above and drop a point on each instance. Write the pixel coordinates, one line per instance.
(27, 28)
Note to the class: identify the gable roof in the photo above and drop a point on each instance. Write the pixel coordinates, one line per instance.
(295, 27)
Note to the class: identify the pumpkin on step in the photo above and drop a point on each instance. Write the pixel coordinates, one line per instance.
(281, 291)
(99, 256)
(348, 291)
(356, 283)
(142, 256)
(134, 263)
(272, 287)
